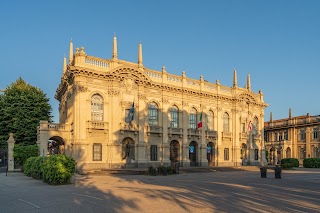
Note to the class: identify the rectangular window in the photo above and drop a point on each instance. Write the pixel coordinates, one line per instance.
(266, 136)
(302, 135)
(153, 153)
(280, 136)
(315, 133)
(193, 121)
(243, 127)
(97, 152)
(275, 136)
(302, 153)
(256, 154)
(174, 120)
(226, 154)
(153, 117)
(286, 135)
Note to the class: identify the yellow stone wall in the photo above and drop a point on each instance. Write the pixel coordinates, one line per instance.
(120, 83)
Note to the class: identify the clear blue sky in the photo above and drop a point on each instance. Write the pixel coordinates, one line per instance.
(277, 42)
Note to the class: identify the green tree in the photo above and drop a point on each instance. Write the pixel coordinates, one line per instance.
(22, 106)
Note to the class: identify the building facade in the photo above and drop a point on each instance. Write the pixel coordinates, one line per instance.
(292, 137)
(115, 114)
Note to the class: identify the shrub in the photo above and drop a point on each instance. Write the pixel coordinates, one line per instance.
(286, 166)
(152, 171)
(162, 170)
(311, 163)
(170, 170)
(294, 162)
(32, 167)
(58, 169)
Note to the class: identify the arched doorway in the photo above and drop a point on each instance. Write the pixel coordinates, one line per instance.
(288, 153)
(55, 145)
(174, 151)
(211, 154)
(243, 154)
(128, 149)
(193, 147)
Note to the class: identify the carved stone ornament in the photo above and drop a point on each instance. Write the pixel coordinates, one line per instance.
(184, 103)
(165, 101)
(113, 92)
(142, 96)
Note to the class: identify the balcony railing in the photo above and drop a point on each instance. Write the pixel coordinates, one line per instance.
(154, 130)
(243, 135)
(227, 135)
(193, 132)
(174, 131)
(99, 125)
(211, 134)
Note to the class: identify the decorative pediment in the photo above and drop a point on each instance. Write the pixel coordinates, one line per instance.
(246, 97)
(136, 75)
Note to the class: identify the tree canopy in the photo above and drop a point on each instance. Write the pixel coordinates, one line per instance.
(22, 106)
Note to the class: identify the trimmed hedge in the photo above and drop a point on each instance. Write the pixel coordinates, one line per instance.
(311, 163)
(288, 163)
(54, 169)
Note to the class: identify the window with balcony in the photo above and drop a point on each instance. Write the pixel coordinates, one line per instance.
(226, 122)
(153, 153)
(174, 117)
(226, 154)
(96, 108)
(97, 152)
(210, 120)
(153, 114)
(193, 119)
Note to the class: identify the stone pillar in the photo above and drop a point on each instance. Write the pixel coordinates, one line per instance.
(11, 142)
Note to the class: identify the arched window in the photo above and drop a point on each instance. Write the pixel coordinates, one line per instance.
(174, 117)
(193, 118)
(96, 108)
(225, 122)
(153, 114)
(210, 120)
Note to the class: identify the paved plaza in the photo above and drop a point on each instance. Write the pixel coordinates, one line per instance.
(212, 191)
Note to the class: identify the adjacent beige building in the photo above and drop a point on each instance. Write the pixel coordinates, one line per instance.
(115, 113)
(292, 137)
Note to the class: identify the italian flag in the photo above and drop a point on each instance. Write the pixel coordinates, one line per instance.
(200, 122)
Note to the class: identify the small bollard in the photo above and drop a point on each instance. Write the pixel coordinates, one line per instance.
(263, 172)
(277, 172)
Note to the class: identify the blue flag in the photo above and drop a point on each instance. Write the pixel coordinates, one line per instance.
(130, 116)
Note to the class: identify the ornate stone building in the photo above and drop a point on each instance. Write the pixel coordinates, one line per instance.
(115, 113)
(292, 137)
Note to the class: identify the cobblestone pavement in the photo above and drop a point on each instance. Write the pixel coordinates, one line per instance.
(213, 191)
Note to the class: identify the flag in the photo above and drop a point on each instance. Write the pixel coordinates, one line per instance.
(130, 116)
(200, 122)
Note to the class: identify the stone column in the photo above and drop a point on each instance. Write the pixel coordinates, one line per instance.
(11, 142)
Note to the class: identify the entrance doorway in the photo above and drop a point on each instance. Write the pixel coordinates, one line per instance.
(174, 151)
(128, 149)
(211, 154)
(55, 146)
(193, 147)
(243, 154)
